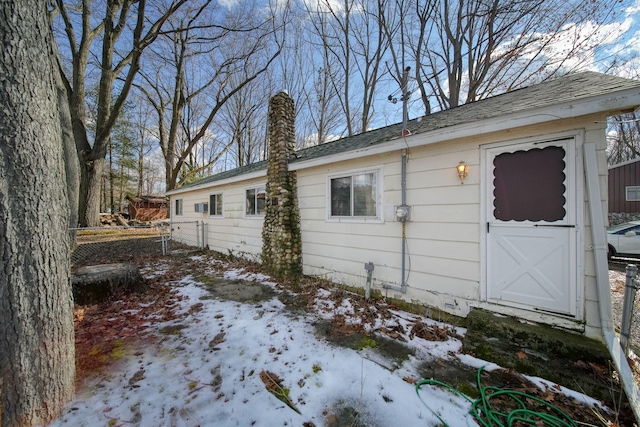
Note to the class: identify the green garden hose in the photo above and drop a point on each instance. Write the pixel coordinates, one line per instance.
(488, 417)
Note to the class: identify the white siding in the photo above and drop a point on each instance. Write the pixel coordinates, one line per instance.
(446, 234)
(233, 233)
(442, 236)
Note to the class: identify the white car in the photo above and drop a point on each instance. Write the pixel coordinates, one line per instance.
(624, 239)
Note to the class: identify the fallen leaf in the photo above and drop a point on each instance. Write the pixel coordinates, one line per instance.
(216, 340)
(410, 380)
(273, 384)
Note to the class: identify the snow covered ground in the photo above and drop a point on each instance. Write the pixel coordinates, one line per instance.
(215, 365)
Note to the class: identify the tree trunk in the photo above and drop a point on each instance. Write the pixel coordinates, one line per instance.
(140, 190)
(36, 307)
(72, 167)
(112, 201)
(90, 189)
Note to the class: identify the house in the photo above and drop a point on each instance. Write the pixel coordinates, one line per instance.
(497, 204)
(148, 208)
(624, 189)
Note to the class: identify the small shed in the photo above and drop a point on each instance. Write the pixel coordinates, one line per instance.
(624, 187)
(148, 208)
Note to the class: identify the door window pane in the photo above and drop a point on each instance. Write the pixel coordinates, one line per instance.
(530, 185)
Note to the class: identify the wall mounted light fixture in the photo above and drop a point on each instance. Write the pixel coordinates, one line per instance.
(463, 171)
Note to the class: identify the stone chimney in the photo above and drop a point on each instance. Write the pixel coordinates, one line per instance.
(281, 236)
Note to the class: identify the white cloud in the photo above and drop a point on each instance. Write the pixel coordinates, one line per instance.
(228, 3)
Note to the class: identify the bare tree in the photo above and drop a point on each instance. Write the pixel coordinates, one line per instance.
(122, 160)
(353, 46)
(36, 307)
(624, 138)
(370, 47)
(623, 131)
(323, 109)
(397, 20)
(144, 143)
(312, 81)
(197, 70)
(123, 31)
(242, 123)
(465, 50)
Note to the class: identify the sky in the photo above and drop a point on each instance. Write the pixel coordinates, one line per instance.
(630, 41)
(208, 374)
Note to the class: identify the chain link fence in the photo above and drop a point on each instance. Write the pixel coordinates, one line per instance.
(107, 245)
(189, 233)
(627, 311)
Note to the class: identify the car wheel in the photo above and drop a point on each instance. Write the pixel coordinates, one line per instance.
(611, 252)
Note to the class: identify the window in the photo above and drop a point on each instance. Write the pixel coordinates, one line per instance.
(256, 198)
(178, 210)
(632, 193)
(215, 204)
(355, 196)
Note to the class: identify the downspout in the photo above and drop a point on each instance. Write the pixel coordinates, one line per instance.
(602, 279)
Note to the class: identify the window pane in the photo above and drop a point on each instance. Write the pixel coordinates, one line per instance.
(251, 202)
(364, 195)
(212, 204)
(341, 196)
(261, 200)
(218, 204)
(215, 204)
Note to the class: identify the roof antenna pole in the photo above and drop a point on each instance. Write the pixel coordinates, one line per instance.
(405, 99)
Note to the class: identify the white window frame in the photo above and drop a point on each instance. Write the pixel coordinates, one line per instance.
(378, 218)
(211, 205)
(260, 188)
(179, 202)
(634, 188)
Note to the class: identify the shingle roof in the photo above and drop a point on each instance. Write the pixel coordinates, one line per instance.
(572, 87)
(253, 167)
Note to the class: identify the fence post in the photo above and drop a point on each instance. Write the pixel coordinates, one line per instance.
(630, 288)
(163, 239)
(203, 234)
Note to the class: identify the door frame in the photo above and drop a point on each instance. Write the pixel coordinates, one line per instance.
(578, 212)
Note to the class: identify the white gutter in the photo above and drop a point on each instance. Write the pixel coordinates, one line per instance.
(602, 279)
